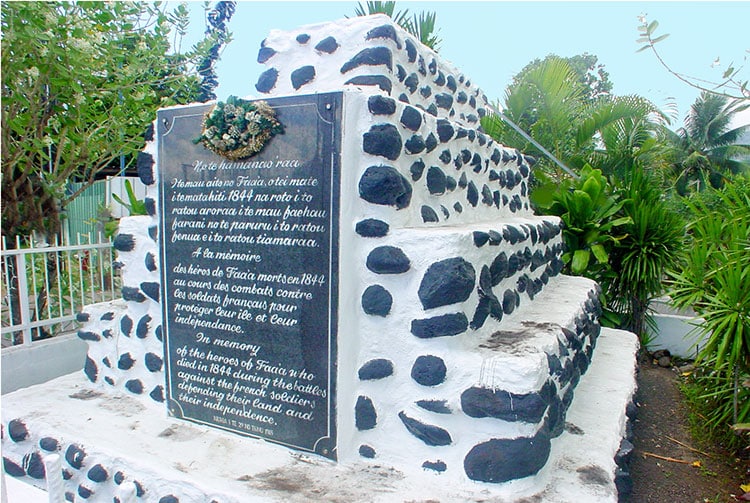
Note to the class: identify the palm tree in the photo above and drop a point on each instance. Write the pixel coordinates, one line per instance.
(422, 26)
(707, 147)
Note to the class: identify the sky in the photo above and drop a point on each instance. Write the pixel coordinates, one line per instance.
(491, 41)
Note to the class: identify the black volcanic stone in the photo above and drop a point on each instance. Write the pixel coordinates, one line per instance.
(125, 362)
(461, 97)
(267, 80)
(303, 38)
(436, 180)
(436, 406)
(12, 469)
(438, 466)
(132, 294)
(465, 155)
(141, 331)
(157, 333)
(49, 444)
(157, 394)
(509, 301)
(371, 228)
(486, 195)
(445, 156)
(416, 170)
(88, 336)
(432, 66)
(377, 301)
(150, 205)
(428, 214)
(380, 105)
(364, 413)
(421, 68)
(385, 185)
(151, 289)
(302, 76)
(432, 110)
(145, 167)
(425, 91)
(82, 317)
(411, 50)
(378, 368)
(148, 134)
(153, 232)
(381, 81)
(126, 325)
(446, 282)
(499, 268)
(90, 369)
(169, 498)
(427, 433)
(472, 195)
(501, 460)
(445, 130)
(153, 362)
(388, 260)
(414, 145)
(264, 54)
(450, 83)
(440, 80)
(496, 198)
(481, 313)
(383, 140)
(457, 206)
(371, 56)
(445, 211)
(328, 45)
(134, 386)
(17, 430)
(463, 181)
(457, 162)
(385, 31)
(483, 402)
(366, 451)
(431, 142)
(75, 455)
(411, 118)
(124, 242)
(440, 326)
(97, 473)
(480, 238)
(150, 262)
(34, 465)
(444, 101)
(411, 82)
(400, 73)
(450, 183)
(428, 370)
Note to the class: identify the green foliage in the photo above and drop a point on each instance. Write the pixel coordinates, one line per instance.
(80, 83)
(591, 75)
(716, 279)
(652, 242)
(589, 213)
(134, 205)
(421, 26)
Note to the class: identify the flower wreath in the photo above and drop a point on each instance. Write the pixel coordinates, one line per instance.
(239, 128)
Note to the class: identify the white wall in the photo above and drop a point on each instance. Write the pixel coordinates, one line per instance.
(24, 366)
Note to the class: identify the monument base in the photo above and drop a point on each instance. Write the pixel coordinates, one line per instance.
(194, 463)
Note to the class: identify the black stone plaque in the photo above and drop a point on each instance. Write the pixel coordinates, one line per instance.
(249, 260)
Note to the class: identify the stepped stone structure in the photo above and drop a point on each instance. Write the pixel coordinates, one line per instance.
(459, 343)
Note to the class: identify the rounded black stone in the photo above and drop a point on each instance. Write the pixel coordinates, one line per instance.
(509, 301)
(463, 181)
(108, 316)
(428, 370)
(267, 80)
(411, 50)
(403, 98)
(386, 31)
(150, 262)
(75, 455)
(125, 362)
(480, 238)
(381, 81)
(90, 369)
(445, 130)
(427, 433)
(383, 140)
(472, 194)
(436, 406)
(141, 331)
(97, 473)
(371, 56)
(157, 333)
(328, 45)
(425, 91)
(378, 368)
(49, 444)
(445, 156)
(437, 466)
(430, 142)
(371, 228)
(440, 326)
(388, 260)
(482, 402)
(265, 53)
(414, 145)
(428, 214)
(124, 242)
(501, 460)
(134, 386)
(457, 206)
(150, 205)
(157, 394)
(364, 413)
(17, 430)
(450, 83)
(461, 97)
(486, 195)
(445, 211)
(303, 38)
(436, 180)
(86, 335)
(366, 451)
(377, 301)
(145, 167)
(499, 268)
(153, 232)
(416, 170)
(444, 101)
(169, 498)
(12, 469)
(153, 362)
(446, 282)
(151, 289)
(82, 317)
(126, 325)
(411, 118)
(302, 76)
(465, 155)
(133, 294)
(450, 183)
(432, 110)
(385, 185)
(421, 66)
(380, 105)
(34, 465)
(411, 82)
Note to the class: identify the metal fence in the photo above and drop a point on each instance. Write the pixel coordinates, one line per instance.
(44, 285)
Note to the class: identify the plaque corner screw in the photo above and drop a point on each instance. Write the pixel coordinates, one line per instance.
(328, 106)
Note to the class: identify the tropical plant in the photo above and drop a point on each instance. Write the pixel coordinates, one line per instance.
(421, 26)
(707, 147)
(591, 74)
(652, 242)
